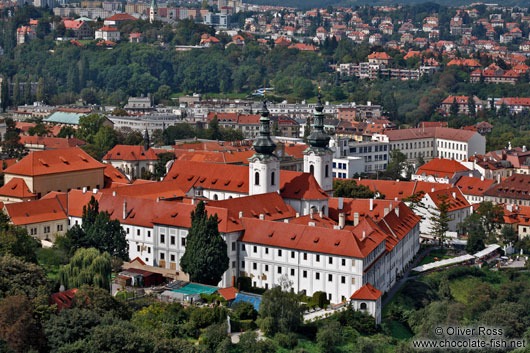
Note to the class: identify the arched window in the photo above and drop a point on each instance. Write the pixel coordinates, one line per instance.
(215, 197)
(273, 178)
(312, 169)
(363, 306)
(256, 178)
(323, 209)
(327, 170)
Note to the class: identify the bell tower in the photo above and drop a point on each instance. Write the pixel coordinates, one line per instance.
(318, 157)
(264, 166)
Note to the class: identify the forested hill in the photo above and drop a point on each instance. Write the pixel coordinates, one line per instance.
(309, 4)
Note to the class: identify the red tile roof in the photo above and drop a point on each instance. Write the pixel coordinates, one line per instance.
(399, 190)
(440, 167)
(474, 186)
(130, 153)
(366, 292)
(121, 17)
(72, 24)
(350, 243)
(63, 299)
(515, 187)
(17, 187)
(455, 198)
(228, 293)
(152, 190)
(113, 177)
(379, 56)
(51, 142)
(108, 29)
(53, 162)
(37, 211)
(430, 132)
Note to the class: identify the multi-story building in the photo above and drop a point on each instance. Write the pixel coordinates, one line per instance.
(513, 190)
(437, 142)
(108, 33)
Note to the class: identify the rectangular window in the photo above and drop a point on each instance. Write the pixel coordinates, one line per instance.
(353, 280)
(172, 257)
(279, 253)
(292, 271)
(279, 270)
(343, 262)
(148, 249)
(266, 268)
(317, 275)
(254, 266)
(59, 227)
(126, 228)
(304, 274)
(317, 258)
(330, 278)
(305, 256)
(292, 254)
(162, 256)
(138, 232)
(149, 234)
(267, 251)
(162, 238)
(342, 279)
(233, 246)
(330, 260)
(138, 248)
(233, 264)
(255, 249)
(243, 265)
(183, 241)
(172, 240)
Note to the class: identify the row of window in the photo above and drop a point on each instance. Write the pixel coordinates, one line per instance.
(368, 149)
(293, 255)
(292, 272)
(46, 229)
(340, 175)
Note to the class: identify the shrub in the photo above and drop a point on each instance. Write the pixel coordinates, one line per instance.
(288, 340)
(244, 311)
(320, 299)
(244, 283)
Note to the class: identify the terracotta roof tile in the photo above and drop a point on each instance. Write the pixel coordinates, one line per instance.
(54, 161)
(17, 187)
(37, 211)
(366, 292)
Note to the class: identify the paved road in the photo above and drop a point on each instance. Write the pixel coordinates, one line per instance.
(406, 276)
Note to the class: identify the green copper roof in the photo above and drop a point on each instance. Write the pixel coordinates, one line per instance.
(64, 118)
(264, 145)
(318, 139)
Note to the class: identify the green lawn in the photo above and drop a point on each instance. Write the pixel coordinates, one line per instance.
(51, 260)
(435, 255)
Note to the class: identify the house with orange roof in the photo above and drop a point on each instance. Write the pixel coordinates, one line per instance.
(108, 33)
(473, 188)
(445, 171)
(81, 29)
(133, 161)
(57, 170)
(113, 177)
(379, 58)
(44, 219)
(25, 34)
(463, 104)
(458, 210)
(118, 18)
(41, 143)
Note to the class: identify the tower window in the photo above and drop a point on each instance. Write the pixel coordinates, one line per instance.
(312, 169)
(256, 178)
(327, 171)
(272, 178)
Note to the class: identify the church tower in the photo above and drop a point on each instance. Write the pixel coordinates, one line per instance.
(318, 157)
(147, 143)
(153, 11)
(264, 166)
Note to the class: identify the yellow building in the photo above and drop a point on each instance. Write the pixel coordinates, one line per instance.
(57, 170)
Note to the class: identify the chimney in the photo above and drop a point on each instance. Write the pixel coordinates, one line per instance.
(336, 227)
(432, 190)
(470, 174)
(158, 199)
(321, 214)
(355, 219)
(386, 210)
(84, 189)
(397, 210)
(311, 224)
(114, 193)
(482, 178)
(364, 235)
(193, 201)
(95, 191)
(342, 220)
(262, 216)
(124, 209)
(240, 214)
(371, 204)
(311, 214)
(286, 220)
(454, 195)
(297, 214)
(341, 203)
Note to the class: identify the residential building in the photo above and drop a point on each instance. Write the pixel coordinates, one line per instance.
(474, 188)
(439, 170)
(108, 33)
(463, 104)
(512, 190)
(134, 161)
